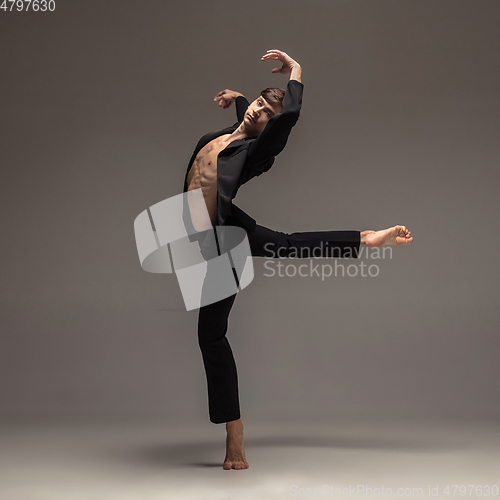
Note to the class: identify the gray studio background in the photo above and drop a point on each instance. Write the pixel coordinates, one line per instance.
(103, 103)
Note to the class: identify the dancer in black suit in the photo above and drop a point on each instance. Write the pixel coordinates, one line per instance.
(220, 164)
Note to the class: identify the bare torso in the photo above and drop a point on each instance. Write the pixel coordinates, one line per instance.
(203, 173)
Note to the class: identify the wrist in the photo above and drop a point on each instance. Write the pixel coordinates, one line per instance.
(296, 73)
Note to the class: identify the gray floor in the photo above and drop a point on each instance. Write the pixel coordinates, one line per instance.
(151, 459)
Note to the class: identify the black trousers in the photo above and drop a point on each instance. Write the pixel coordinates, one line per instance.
(218, 359)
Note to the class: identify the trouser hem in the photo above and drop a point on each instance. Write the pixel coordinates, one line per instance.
(225, 420)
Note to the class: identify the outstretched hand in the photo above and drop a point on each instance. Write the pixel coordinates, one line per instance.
(226, 98)
(278, 55)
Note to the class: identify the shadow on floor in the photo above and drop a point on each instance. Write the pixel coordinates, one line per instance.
(182, 454)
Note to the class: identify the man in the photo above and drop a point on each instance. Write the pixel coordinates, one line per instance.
(220, 164)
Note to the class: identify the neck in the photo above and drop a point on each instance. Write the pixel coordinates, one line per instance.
(241, 132)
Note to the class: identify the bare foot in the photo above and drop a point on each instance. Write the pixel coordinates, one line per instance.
(396, 235)
(235, 451)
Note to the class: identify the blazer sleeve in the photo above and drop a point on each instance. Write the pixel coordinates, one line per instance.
(274, 137)
(241, 106)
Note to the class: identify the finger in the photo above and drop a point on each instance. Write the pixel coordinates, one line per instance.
(278, 58)
(271, 53)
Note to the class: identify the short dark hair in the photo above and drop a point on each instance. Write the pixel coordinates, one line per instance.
(273, 95)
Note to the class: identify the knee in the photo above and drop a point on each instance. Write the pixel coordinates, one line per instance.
(282, 247)
(205, 334)
(210, 335)
(203, 343)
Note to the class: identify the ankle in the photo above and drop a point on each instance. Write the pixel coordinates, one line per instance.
(363, 235)
(234, 426)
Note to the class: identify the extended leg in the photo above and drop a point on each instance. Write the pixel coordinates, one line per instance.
(265, 242)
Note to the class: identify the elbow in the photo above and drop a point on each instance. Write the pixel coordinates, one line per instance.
(290, 116)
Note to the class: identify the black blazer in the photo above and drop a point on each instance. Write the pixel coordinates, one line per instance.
(243, 159)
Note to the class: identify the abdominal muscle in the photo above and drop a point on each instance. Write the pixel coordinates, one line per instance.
(203, 174)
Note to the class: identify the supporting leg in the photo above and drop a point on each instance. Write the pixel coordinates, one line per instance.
(222, 379)
(220, 367)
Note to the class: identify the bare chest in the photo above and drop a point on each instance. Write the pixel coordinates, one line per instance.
(207, 156)
(203, 172)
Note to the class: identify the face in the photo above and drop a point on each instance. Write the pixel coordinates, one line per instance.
(259, 113)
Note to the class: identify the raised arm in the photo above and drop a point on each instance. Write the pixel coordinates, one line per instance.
(288, 64)
(274, 137)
